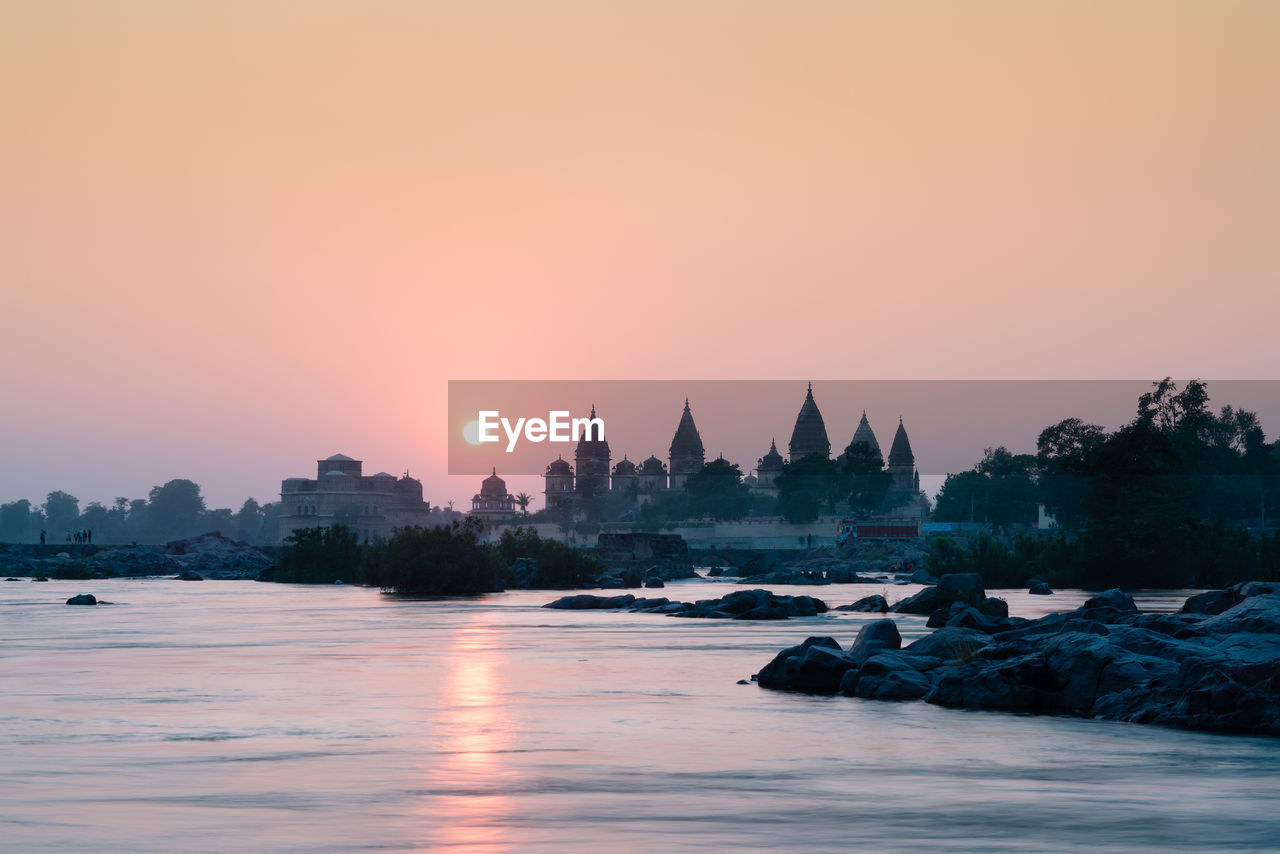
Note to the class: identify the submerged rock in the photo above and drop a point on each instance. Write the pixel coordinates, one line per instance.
(1040, 588)
(83, 599)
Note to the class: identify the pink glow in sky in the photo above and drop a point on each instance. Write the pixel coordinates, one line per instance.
(236, 237)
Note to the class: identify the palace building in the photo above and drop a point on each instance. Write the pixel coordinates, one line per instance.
(373, 506)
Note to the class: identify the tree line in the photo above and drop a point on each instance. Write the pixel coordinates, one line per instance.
(172, 511)
(444, 560)
(1179, 496)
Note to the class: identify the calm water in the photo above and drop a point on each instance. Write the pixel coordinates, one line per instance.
(223, 716)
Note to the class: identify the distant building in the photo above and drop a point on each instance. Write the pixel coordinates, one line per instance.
(493, 503)
(559, 484)
(341, 494)
(686, 453)
(902, 462)
(591, 460)
(809, 436)
(768, 468)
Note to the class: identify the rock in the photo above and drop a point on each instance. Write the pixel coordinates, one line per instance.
(815, 666)
(761, 564)
(924, 602)
(1040, 588)
(654, 583)
(83, 599)
(887, 677)
(1211, 602)
(949, 644)
(873, 638)
(589, 602)
(994, 607)
(963, 587)
(215, 556)
(922, 576)
(715, 572)
(875, 603)
(39, 578)
(1210, 671)
(1114, 598)
(188, 575)
(63, 556)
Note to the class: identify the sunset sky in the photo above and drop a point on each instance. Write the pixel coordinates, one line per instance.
(239, 236)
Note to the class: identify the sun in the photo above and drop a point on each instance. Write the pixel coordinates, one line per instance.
(471, 432)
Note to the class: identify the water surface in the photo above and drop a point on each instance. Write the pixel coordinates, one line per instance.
(219, 716)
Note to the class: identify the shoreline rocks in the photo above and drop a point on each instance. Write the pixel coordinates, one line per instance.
(1210, 667)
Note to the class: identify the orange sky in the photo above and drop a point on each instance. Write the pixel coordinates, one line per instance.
(238, 236)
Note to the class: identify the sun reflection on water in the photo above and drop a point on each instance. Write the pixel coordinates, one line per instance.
(469, 766)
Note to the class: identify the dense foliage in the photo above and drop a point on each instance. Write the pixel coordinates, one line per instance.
(320, 556)
(441, 561)
(1177, 497)
(447, 560)
(559, 566)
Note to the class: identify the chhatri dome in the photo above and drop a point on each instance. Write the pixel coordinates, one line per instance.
(771, 461)
(810, 433)
(865, 434)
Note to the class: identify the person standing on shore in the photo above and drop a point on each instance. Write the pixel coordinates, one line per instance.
(42, 536)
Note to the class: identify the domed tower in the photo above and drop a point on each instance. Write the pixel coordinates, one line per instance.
(810, 433)
(768, 468)
(591, 459)
(493, 503)
(652, 478)
(866, 435)
(624, 476)
(559, 483)
(687, 455)
(902, 462)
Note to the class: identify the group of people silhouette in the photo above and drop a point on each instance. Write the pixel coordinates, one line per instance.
(84, 535)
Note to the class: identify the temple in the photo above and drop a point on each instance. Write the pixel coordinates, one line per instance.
(629, 484)
(809, 437)
(493, 503)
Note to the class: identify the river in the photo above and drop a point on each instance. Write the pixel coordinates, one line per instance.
(237, 716)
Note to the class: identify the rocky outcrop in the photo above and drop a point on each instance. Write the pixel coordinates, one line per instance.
(83, 599)
(874, 603)
(739, 605)
(962, 587)
(1040, 588)
(1205, 668)
(215, 556)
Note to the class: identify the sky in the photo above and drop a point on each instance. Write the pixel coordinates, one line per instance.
(237, 237)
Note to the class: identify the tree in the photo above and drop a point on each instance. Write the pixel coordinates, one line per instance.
(717, 491)
(445, 561)
(963, 498)
(18, 523)
(62, 511)
(175, 510)
(864, 482)
(807, 487)
(248, 522)
(523, 500)
(1062, 454)
(320, 555)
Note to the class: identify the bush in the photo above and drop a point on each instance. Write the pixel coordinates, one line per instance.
(71, 570)
(443, 561)
(560, 567)
(319, 556)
